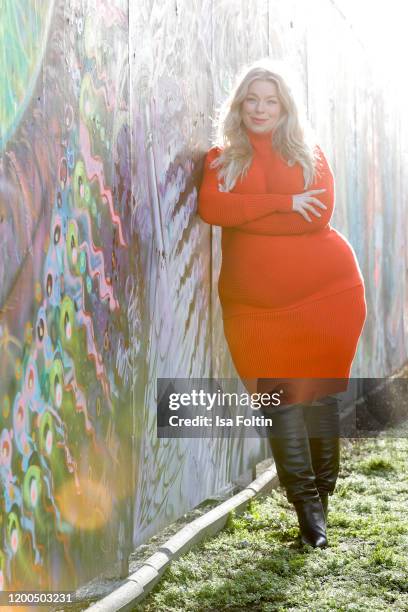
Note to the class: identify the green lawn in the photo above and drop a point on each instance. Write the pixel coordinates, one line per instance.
(257, 563)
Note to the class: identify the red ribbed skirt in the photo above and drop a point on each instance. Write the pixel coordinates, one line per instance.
(315, 340)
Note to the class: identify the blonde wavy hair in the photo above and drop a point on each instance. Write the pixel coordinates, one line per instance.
(292, 136)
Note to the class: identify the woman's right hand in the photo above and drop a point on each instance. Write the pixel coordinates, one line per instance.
(302, 203)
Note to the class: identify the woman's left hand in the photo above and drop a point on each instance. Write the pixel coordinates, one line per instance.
(304, 202)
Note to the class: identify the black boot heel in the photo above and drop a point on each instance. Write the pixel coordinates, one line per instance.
(311, 522)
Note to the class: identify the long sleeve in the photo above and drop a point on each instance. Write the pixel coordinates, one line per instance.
(233, 209)
(294, 222)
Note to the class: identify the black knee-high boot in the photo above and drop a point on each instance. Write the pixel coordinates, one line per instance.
(322, 422)
(290, 448)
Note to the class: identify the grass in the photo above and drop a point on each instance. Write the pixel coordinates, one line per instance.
(257, 563)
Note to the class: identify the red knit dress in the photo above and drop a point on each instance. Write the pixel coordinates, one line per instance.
(291, 291)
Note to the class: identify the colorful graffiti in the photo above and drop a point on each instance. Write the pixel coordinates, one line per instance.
(66, 397)
(23, 32)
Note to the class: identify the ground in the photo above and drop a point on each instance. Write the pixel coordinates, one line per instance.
(257, 562)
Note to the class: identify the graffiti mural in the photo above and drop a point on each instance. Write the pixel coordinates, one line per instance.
(24, 32)
(66, 256)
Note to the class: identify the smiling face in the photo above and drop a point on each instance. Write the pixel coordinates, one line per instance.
(261, 108)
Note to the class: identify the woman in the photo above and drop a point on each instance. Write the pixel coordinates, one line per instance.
(290, 287)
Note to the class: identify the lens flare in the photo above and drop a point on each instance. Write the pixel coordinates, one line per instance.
(87, 507)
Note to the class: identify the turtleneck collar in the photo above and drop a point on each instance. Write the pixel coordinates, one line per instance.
(261, 141)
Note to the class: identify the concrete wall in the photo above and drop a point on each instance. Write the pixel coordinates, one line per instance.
(108, 277)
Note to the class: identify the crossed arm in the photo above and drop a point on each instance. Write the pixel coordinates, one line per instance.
(233, 209)
(262, 213)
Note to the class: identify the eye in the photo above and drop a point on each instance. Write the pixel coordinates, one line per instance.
(40, 329)
(57, 234)
(49, 285)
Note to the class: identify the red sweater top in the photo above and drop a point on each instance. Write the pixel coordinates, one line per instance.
(272, 258)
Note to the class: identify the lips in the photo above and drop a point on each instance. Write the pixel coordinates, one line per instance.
(255, 120)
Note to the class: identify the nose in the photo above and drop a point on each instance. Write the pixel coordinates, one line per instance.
(260, 106)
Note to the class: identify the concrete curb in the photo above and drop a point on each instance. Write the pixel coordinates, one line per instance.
(137, 586)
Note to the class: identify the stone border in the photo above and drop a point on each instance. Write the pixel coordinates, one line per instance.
(137, 586)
